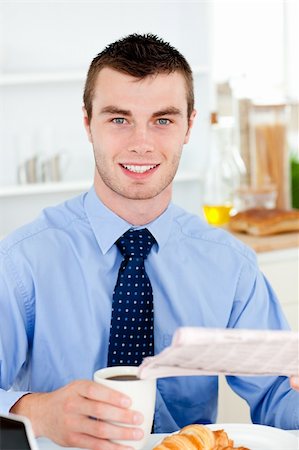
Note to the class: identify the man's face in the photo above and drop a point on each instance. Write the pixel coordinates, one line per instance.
(138, 129)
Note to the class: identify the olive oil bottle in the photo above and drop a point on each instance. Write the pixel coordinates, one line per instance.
(217, 214)
(223, 175)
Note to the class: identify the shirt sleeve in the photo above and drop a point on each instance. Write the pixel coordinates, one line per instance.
(15, 325)
(271, 399)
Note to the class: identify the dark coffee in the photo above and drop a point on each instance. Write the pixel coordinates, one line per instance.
(124, 378)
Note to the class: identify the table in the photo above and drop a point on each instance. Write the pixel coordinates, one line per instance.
(46, 444)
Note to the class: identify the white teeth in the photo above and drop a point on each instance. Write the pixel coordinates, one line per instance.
(138, 169)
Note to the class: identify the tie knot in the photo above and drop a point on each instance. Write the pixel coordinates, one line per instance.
(136, 243)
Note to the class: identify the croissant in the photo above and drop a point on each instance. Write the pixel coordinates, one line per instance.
(198, 437)
(178, 441)
(202, 434)
(222, 440)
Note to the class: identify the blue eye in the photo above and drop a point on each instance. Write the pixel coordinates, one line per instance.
(163, 121)
(118, 120)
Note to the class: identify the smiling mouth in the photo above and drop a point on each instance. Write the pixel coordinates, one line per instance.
(139, 169)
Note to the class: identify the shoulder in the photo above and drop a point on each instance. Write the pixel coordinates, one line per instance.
(197, 231)
(51, 220)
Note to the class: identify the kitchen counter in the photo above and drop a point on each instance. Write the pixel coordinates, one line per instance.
(268, 243)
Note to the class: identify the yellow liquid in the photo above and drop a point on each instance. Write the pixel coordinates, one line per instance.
(217, 214)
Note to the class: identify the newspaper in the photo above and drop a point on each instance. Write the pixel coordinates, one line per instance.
(211, 351)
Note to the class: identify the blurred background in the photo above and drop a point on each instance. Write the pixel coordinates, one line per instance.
(244, 55)
(244, 147)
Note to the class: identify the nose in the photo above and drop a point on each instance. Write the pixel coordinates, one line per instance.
(140, 140)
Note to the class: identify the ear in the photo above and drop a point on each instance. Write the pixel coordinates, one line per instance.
(86, 123)
(190, 125)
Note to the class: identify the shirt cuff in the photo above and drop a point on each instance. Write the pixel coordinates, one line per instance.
(9, 398)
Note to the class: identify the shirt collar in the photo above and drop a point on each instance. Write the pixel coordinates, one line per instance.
(108, 226)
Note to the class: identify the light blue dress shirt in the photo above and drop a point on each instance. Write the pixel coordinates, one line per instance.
(57, 276)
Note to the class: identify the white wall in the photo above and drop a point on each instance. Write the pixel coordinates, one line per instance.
(292, 48)
(253, 49)
(43, 36)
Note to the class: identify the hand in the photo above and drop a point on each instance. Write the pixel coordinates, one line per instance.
(294, 382)
(67, 415)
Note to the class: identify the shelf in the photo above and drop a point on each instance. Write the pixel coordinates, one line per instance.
(50, 188)
(60, 77)
(41, 78)
(43, 188)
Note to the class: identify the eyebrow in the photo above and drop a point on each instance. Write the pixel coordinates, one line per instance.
(171, 110)
(115, 110)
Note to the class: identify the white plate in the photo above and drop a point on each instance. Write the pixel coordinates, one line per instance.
(258, 437)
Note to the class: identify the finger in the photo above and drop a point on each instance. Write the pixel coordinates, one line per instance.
(86, 441)
(96, 391)
(107, 430)
(295, 382)
(104, 411)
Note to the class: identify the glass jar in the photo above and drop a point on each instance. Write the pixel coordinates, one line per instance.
(269, 171)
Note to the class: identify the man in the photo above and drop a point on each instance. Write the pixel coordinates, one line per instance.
(58, 273)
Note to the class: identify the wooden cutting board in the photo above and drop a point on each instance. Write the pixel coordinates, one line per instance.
(269, 243)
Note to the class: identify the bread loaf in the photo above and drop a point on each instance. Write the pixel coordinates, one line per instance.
(263, 222)
(198, 437)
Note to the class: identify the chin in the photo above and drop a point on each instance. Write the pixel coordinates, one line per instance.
(141, 194)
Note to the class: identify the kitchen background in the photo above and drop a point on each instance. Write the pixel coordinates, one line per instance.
(240, 51)
(244, 54)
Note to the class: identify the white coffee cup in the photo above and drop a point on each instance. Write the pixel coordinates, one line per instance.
(141, 392)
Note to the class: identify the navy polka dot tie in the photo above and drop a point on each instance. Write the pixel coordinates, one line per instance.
(132, 321)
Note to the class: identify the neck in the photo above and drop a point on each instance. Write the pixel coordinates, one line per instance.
(136, 212)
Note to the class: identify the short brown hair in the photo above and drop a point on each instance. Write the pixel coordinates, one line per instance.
(139, 55)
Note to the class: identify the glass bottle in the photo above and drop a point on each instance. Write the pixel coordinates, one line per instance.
(225, 172)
